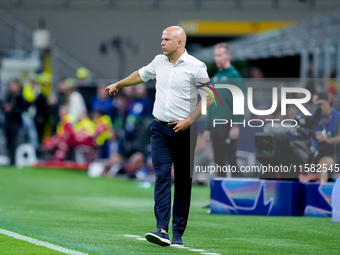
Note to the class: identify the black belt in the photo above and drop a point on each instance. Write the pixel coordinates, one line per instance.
(167, 124)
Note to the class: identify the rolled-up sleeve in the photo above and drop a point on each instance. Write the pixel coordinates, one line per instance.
(148, 72)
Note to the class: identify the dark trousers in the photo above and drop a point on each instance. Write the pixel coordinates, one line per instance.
(167, 148)
(223, 149)
(12, 130)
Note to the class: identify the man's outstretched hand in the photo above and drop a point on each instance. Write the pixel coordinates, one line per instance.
(112, 89)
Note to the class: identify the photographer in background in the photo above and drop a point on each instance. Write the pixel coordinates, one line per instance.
(327, 135)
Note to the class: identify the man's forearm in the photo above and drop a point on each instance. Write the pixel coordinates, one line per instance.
(132, 79)
(198, 110)
(333, 140)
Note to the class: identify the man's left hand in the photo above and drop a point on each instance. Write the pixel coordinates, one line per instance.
(181, 125)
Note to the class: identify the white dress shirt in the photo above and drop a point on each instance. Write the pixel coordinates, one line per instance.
(176, 93)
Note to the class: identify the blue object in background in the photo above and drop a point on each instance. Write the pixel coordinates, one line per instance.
(274, 197)
(336, 201)
(256, 197)
(318, 199)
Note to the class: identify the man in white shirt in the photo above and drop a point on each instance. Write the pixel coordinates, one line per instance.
(172, 141)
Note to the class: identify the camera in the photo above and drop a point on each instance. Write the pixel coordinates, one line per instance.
(287, 146)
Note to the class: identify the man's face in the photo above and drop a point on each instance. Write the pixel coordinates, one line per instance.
(14, 87)
(170, 43)
(221, 57)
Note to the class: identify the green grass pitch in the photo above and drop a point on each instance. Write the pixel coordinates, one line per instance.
(92, 215)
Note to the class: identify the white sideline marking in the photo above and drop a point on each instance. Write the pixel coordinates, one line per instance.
(178, 247)
(132, 236)
(141, 238)
(41, 243)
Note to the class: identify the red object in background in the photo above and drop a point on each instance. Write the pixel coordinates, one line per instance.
(69, 165)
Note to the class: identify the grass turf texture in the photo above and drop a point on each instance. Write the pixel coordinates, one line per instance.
(92, 215)
(10, 245)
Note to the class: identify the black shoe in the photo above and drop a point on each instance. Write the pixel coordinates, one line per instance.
(158, 237)
(177, 240)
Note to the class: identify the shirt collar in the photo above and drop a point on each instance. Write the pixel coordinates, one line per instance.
(181, 59)
(225, 69)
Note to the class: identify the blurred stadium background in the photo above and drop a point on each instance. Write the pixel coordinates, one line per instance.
(265, 36)
(50, 44)
(133, 25)
(293, 39)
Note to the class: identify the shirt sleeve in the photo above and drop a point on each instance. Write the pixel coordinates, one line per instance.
(148, 72)
(202, 81)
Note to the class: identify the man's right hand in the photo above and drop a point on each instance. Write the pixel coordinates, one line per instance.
(132, 79)
(112, 88)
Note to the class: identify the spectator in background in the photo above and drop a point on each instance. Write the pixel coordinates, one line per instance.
(103, 132)
(136, 167)
(121, 105)
(114, 165)
(141, 97)
(102, 101)
(40, 104)
(14, 106)
(115, 144)
(327, 134)
(140, 108)
(62, 90)
(75, 101)
(86, 87)
(64, 128)
(332, 90)
(79, 135)
(56, 101)
(224, 137)
(126, 101)
(137, 121)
